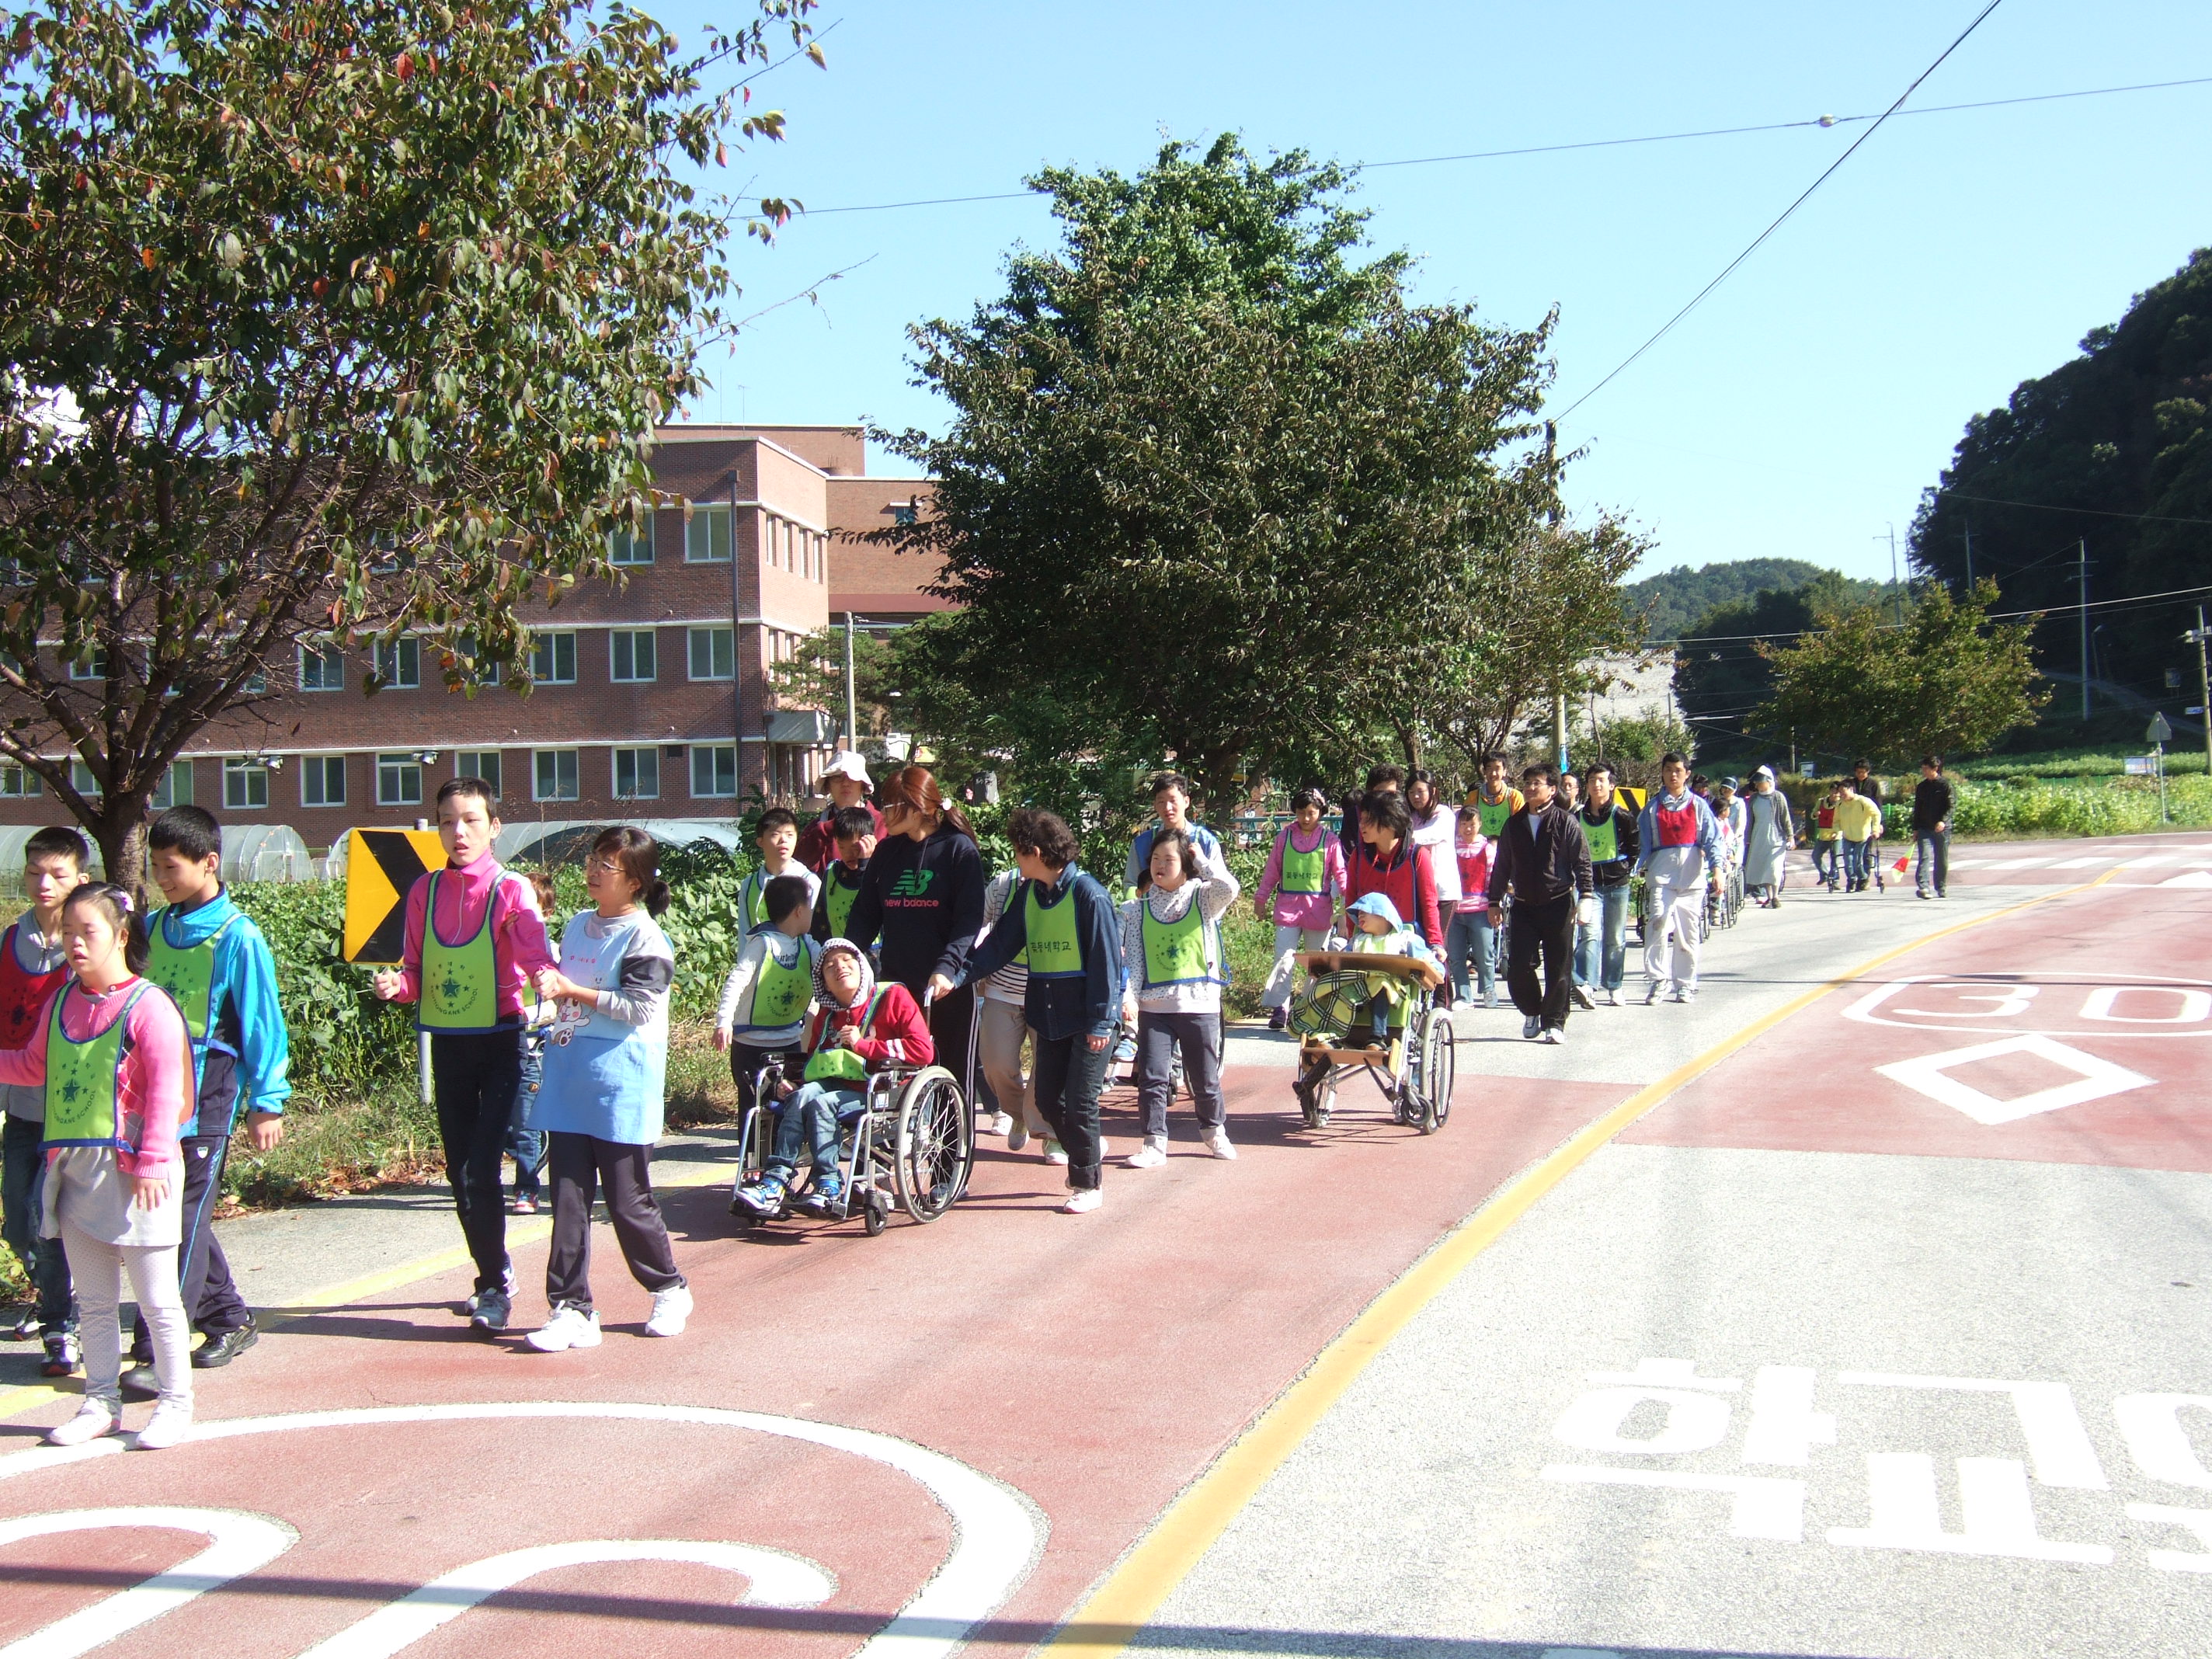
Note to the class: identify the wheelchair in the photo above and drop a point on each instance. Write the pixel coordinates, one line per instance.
(1413, 1070)
(910, 1146)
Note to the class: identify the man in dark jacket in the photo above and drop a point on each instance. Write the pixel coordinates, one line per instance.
(1931, 827)
(1543, 860)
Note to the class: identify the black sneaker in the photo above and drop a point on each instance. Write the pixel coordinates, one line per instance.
(26, 1326)
(139, 1383)
(63, 1356)
(219, 1351)
(1278, 1018)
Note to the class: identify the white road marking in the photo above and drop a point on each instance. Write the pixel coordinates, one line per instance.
(1784, 1427)
(2194, 879)
(2012, 998)
(1998, 1517)
(773, 1579)
(1764, 1507)
(997, 1534)
(1593, 1422)
(238, 1543)
(1929, 1075)
(2048, 1422)
(2090, 863)
(2190, 1006)
(2196, 1521)
(2151, 1424)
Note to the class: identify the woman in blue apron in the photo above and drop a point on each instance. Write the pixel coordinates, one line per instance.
(600, 1105)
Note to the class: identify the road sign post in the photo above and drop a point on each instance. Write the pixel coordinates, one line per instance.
(2159, 734)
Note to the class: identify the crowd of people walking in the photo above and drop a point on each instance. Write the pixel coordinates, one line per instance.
(136, 1042)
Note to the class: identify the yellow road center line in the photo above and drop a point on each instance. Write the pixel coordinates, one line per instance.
(1115, 1613)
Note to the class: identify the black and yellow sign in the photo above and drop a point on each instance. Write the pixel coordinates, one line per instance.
(381, 866)
(1632, 799)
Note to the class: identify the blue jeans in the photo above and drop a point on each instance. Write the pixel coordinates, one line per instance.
(1856, 861)
(526, 1146)
(22, 1177)
(1470, 940)
(1931, 869)
(1824, 860)
(809, 1118)
(1601, 949)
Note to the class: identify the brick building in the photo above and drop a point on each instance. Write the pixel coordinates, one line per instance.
(652, 699)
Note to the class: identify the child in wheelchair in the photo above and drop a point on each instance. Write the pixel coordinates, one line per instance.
(1353, 1010)
(857, 1028)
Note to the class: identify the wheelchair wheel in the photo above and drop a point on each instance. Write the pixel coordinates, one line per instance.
(936, 1145)
(1433, 1042)
(875, 1213)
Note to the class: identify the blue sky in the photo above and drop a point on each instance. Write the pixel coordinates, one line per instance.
(1798, 413)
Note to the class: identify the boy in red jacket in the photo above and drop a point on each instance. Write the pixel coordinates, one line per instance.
(857, 1027)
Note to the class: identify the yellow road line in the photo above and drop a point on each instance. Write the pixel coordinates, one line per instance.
(1115, 1613)
(668, 1178)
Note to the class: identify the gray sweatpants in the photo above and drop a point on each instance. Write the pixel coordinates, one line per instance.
(1159, 1035)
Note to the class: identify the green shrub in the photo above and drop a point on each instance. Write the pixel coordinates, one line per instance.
(2030, 805)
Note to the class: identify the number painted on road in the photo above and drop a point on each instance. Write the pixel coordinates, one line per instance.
(2054, 1003)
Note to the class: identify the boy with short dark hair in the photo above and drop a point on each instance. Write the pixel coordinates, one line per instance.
(1171, 811)
(764, 1000)
(474, 939)
(853, 833)
(210, 957)
(34, 966)
(776, 834)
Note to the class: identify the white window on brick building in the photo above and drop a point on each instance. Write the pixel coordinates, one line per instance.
(555, 778)
(322, 668)
(83, 781)
(631, 655)
(245, 785)
(713, 654)
(713, 771)
(399, 664)
(637, 775)
(175, 788)
(630, 547)
(19, 783)
(482, 763)
(92, 666)
(322, 780)
(706, 536)
(553, 658)
(399, 780)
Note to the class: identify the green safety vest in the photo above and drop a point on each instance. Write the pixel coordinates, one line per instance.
(1305, 872)
(1052, 947)
(780, 994)
(460, 983)
(1379, 985)
(186, 972)
(1182, 952)
(752, 900)
(840, 899)
(1604, 839)
(83, 1078)
(1493, 815)
(827, 1065)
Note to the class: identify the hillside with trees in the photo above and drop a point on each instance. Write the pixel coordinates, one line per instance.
(1674, 600)
(2112, 450)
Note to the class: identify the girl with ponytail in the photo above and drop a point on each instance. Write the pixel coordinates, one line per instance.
(599, 1104)
(111, 1051)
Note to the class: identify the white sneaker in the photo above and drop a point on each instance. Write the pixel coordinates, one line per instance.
(1582, 997)
(92, 1420)
(569, 1327)
(1017, 1135)
(1218, 1143)
(1651, 991)
(1001, 1124)
(1150, 1155)
(1081, 1201)
(671, 1307)
(1613, 999)
(168, 1426)
(1554, 1034)
(1053, 1151)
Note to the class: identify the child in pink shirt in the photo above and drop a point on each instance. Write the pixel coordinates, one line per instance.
(1471, 935)
(1302, 880)
(111, 1051)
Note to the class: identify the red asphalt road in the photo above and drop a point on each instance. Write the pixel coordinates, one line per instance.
(1095, 1363)
(2121, 975)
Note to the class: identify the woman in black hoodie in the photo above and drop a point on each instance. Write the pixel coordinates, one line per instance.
(924, 889)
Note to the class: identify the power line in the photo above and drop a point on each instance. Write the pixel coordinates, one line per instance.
(1826, 173)
(2128, 602)
(2048, 506)
(1590, 143)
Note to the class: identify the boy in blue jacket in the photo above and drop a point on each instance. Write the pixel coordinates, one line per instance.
(1067, 926)
(209, 955)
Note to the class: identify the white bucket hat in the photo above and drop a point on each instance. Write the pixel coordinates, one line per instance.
(849, 765)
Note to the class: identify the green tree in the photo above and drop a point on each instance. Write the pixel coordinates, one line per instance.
(1949, 680)
(1207, 471)
(342, 315)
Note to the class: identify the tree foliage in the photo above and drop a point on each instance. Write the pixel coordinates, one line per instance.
(1722, 672)
(1213, 488)
(343, 315)
(1949, 680)
(1674, 601)
(2119, 441)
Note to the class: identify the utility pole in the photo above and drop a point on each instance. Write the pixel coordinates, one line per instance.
(1970, 558)
(852, 700)
(2204, 687)
(2081, 576)
(1558, 686)
(1896, 588)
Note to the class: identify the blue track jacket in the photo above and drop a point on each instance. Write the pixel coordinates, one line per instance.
(248, 1053)
(1061, 1008)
